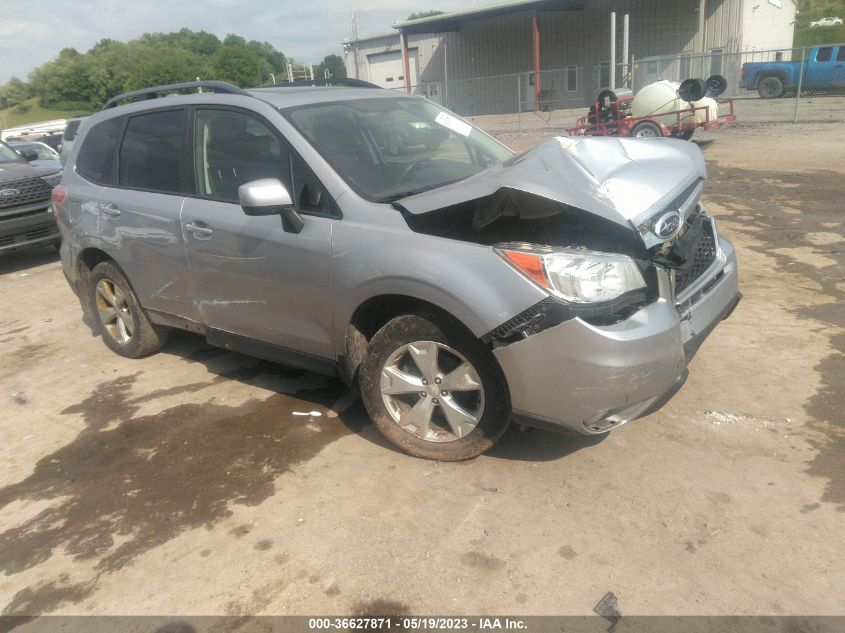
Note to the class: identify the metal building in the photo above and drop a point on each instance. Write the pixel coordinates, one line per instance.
(536, 54)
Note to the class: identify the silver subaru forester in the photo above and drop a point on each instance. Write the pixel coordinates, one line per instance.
(374, 235)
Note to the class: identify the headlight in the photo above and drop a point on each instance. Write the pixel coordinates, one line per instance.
(576, 276)
(52, 179)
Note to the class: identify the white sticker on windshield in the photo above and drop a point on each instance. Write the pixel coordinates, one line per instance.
(456, 125)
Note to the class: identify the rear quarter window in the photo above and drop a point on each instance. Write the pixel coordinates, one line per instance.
(71, 129)
(95, 161)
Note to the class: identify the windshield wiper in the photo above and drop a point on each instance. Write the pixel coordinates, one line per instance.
(404, 194)
(398, 196)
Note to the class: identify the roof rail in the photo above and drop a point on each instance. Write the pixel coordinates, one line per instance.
(348, 82)
(151, 93)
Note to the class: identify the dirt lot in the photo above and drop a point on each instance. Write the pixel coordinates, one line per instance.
(186, 483)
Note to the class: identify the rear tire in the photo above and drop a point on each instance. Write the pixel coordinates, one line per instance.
(453, 408)
(118, 316)
(770, 88)
(646, 129)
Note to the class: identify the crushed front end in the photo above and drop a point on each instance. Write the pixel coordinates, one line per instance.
(636, 274)
(591, 374)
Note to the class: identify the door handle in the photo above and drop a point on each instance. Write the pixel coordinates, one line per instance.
(110, 210)
(198, 230)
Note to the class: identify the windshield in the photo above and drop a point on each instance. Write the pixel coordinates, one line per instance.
(8, 155)
(44, 152)
(389, 148)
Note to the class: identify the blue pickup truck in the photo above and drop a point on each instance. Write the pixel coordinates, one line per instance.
(824, 71)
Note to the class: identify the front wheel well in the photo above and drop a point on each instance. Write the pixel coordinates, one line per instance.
(374, 314)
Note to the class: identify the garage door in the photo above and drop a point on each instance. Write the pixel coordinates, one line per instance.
(386, 69)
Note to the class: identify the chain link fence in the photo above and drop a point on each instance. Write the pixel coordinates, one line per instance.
(789, 85)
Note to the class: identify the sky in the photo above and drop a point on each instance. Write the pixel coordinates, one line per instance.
(34, 31)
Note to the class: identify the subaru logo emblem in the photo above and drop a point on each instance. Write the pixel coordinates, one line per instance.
(5, 194)
(668, 224)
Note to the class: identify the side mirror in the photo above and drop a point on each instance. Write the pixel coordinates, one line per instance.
(268, 196)
(29, 154)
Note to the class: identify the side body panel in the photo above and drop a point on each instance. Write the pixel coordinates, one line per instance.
(787, 71)
(142, 232)
(256, 280)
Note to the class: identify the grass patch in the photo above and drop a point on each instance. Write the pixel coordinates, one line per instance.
(34, 114)
(820, 35)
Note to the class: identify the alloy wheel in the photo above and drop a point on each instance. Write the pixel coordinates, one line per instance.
(114, 311)
(432, 391)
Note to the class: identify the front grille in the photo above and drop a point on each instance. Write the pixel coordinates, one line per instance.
(702, 257)
(33, 234)
(30, 191)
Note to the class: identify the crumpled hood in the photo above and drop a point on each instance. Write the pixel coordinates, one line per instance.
(619, 179)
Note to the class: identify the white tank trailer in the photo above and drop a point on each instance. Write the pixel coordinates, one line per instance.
(667, 96)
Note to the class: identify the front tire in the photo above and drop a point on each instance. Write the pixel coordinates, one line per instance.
(118, 316)
(433, 390)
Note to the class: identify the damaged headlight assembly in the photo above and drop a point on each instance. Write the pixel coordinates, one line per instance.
(600, 288)
(574, 275)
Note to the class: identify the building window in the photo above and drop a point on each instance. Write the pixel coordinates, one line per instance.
(604, 75)
(388, 79)
(572, 78)
(716, 61)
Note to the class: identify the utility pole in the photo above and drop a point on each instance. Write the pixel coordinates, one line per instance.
(354, 43)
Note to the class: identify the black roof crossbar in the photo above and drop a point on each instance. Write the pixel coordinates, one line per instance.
(348, 82)
(152, 93)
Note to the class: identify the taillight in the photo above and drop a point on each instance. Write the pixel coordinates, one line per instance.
(58, 198)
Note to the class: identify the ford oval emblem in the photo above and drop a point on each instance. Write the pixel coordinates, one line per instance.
(668, 224)
(5, 194)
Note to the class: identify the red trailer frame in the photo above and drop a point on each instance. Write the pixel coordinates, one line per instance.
(619, 124)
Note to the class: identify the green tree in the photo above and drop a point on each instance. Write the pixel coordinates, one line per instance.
(334, 64)
(166, 66)
(65, 82)
(14, 93)
(237, 65)
(86, 80)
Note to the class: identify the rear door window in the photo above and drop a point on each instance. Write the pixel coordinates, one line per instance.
(152, 155)
(96, 156)
(840, 56)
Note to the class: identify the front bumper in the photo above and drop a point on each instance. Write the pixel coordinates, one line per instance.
(589, 379)
(37, 226)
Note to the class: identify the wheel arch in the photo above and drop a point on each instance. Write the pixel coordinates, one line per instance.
(372, 314)
(88, 258)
